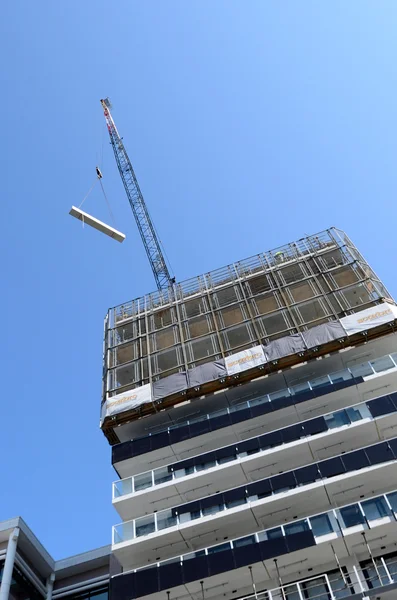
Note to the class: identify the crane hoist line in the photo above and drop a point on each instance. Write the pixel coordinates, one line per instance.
(145, 226)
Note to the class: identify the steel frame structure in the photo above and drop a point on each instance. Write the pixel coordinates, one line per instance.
(137, 202)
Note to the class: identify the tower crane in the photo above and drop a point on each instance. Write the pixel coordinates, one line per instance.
(137, 202)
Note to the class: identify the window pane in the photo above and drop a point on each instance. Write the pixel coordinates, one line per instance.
(362, 370)
(375, 509)
(219, 548)
(392, 498)
(245, 541)
(382, 364)
(144, 525)
(340, 376)
(162, 475)
(337, 419)
(321, 525)
(166, 518)
(141, 482)
(352, 515)
(211, 510)
(298, 527)
(273, 534)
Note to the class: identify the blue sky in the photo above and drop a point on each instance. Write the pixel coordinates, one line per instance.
(249, 124)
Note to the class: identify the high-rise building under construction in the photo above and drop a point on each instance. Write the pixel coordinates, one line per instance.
(252, 413)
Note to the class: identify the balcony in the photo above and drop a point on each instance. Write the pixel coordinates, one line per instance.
(232, 568)
(282, 450)
(264, 413)
(189, 526)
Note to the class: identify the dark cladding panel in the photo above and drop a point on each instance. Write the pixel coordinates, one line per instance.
(123, 586)
(220, 562)
(307, 474)
(380, 453)
(195, 568)
(122, 452)
(179, 434)
(219, 422)
(247, 555)
(146, 582)
(170, 576)
(160, 440)
(381, 406)
(273, 548)
(297, 541)
(332, 467)
(355, 460)
(315, 426)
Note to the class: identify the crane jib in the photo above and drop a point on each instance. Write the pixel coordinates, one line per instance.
(145, 226)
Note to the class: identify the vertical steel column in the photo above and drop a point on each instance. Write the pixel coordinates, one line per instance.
(50, 586)
(9, 564)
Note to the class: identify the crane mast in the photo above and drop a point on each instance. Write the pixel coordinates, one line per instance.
(137, 202)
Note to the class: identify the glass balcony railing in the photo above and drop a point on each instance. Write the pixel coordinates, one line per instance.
(349, 462)
(258, 445)
(316, 529)
(280, 398)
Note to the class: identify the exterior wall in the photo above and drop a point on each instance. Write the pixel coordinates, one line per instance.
(233, 548)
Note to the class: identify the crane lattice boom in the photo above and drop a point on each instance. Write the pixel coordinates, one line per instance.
(137, 202)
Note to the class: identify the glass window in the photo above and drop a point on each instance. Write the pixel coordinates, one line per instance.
(122, 487)
(339, 376)
(162, 475)
(206, 465)
(337, 419)
(189, 516)
(280, 394)
(143, 481)
(245, 541)
(297, 527)
(356, 413)
(321, 525)
(392, 498)
(301, 387)
(144, 526)
(193, 555)
(362, 370)
(225, 459)
(320, 382)
(372, 575)
(165, 519)
(219, 548)
(212, 510)
(382, 364)
(391, 562)
(257, 401)
(275, 533)
(352, 515)
(375, 508)
(316, 589)
(183, 472)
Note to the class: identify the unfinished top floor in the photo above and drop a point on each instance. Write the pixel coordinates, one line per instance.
(281, 292)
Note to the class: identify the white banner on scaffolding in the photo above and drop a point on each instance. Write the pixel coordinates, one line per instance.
(244, 360)
(127, 401)
(369, 318)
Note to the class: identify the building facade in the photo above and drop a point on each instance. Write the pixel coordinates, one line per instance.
(252, 414)
(28, 572)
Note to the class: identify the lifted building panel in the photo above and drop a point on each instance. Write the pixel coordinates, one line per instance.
(96, 224)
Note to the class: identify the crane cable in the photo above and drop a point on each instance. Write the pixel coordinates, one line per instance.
(105, 196)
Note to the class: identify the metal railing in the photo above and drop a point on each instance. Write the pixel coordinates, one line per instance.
(260, 262)
(337, 420)
(336, 521)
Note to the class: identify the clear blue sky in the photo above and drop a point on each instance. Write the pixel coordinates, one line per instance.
(249, 124)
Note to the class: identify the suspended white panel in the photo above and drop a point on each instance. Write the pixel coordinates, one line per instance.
(96, 224)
